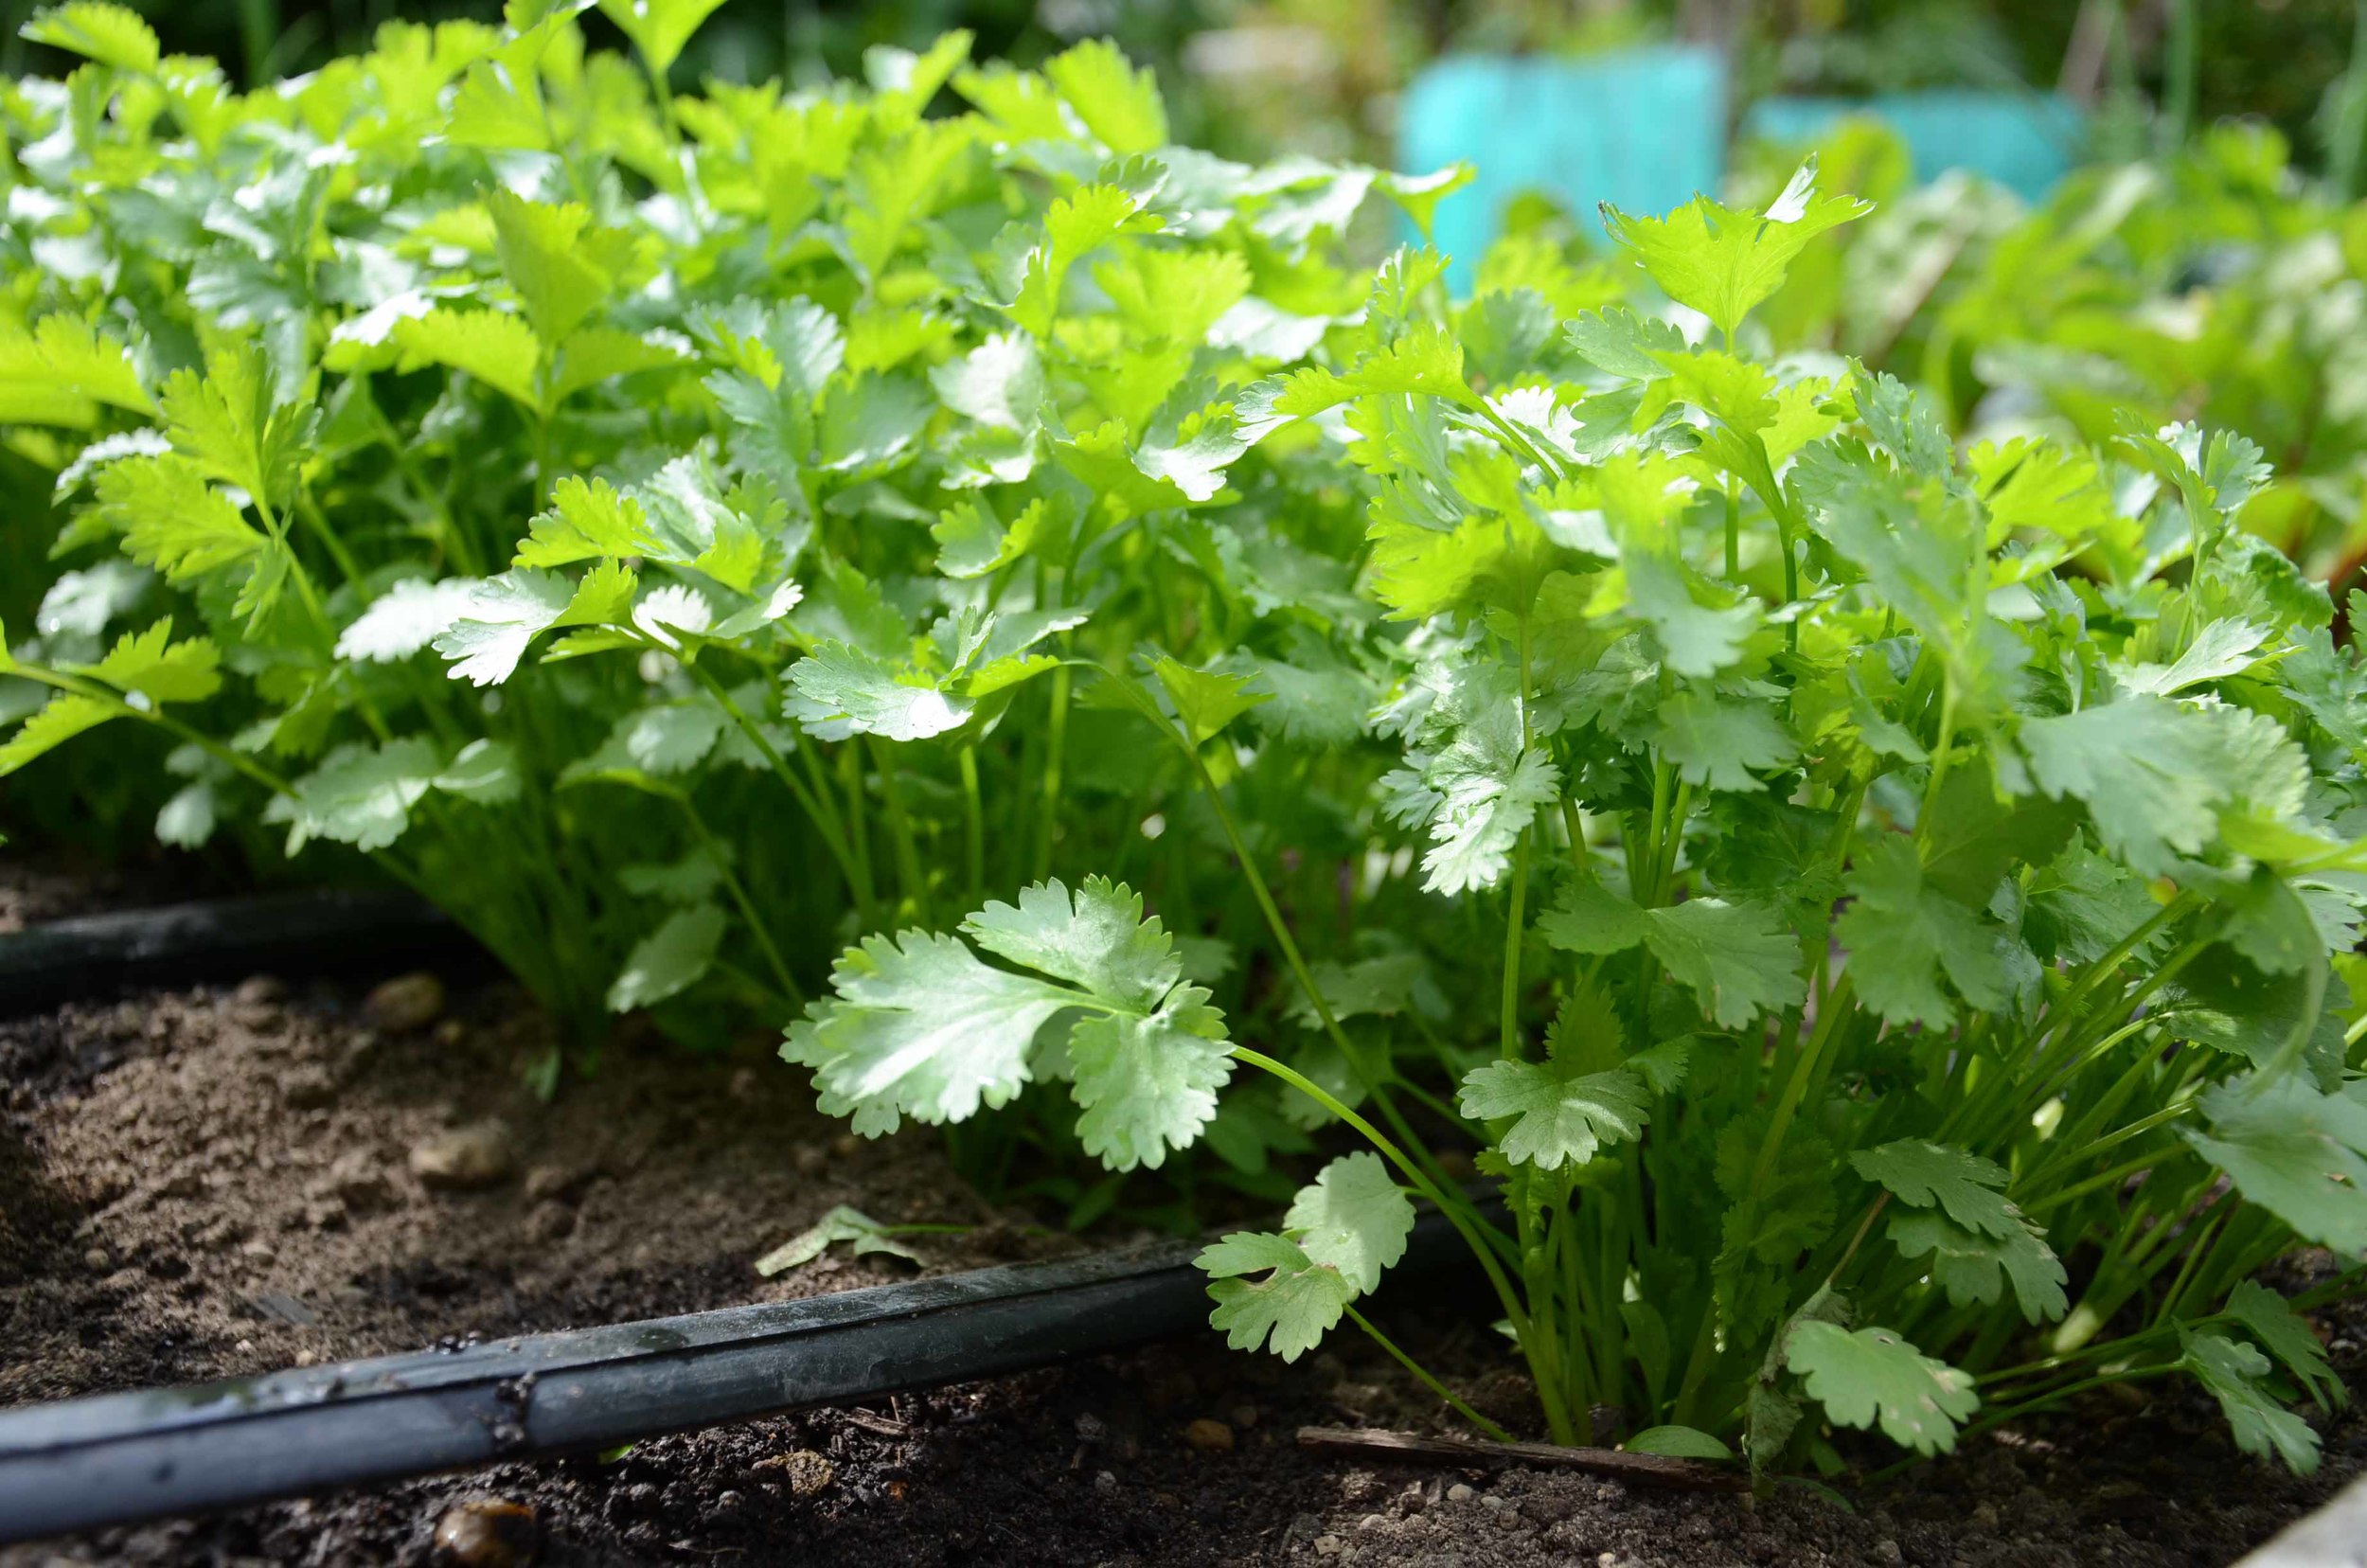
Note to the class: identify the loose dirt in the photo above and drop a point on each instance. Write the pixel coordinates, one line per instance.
(213, 1183)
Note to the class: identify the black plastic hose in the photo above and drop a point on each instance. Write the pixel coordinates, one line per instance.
(120, 1458)
(334, 930)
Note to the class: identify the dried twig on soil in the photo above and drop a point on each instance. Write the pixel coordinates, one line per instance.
(1651, 1469)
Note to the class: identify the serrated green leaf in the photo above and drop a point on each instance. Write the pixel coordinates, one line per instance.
(1290, 1311)
(1118, 103)
(1902, 937)
(1352, 1218)
(1716, 742)
(359, 794)
(494, 347)
(1557, 1114)
(2298, 1152)
(95, 29)
(659, 28)
(669, 960)
(919, 1026)
(1971, 1266)
(1723, 263)
(151, 664)
(1866, 1376)
(56, 722)
(1205, 699)
(46, 374)
(2270, 1319)
(2232, 1371)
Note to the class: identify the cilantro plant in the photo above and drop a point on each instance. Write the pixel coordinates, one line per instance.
(1909, 889)
(1908, 892)
(646, 523)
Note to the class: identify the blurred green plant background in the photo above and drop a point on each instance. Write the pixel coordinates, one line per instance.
(1322, 77)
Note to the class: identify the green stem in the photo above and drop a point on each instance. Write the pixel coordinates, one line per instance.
(1939, 758)
(824, 817)
(311, 513)
(1372, 1080)
(1452, 1208)
(973, 826)
(1733, 532)
(1509, 1047)
(738, 891)
(1055, 753)
(1498, 1434)
(900, 826)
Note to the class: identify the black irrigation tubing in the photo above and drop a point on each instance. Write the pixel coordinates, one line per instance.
(121, 1458)
(330, 931)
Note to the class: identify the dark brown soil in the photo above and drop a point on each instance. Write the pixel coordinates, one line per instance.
(213, 1183)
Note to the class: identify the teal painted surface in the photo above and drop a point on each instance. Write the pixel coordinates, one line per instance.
(1641, 129)
(2023, 142)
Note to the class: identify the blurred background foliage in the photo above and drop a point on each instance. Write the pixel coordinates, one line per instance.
(1257, 77)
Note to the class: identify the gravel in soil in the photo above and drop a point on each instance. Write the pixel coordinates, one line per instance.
(215, 1183)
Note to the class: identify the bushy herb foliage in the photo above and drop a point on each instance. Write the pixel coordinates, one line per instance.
(582, 500)
(1917, 879)
(1878, 910)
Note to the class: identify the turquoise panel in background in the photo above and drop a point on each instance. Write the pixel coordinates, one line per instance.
(1641, 129)
(2024, 142)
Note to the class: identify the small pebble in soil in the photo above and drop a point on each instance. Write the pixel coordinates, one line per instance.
(485, 1532)
(97, 1261)
(405, 1003)
(1888, 1551)
(804, 1472)
(1105, 1483)
(1327, 1546)
(1244, 1415)
(1460, 1492)
(554, 1182)
(550, 1222)
(1985, 1516)
(257, 989)
(845, 1145)
(1209, 1436)
(1091, 1428)
(465, 1158)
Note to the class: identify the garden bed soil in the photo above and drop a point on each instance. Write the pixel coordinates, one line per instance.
(212, 1183)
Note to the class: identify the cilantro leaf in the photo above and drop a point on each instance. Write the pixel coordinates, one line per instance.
(1902, 936)
(1970, 1265)
(1723, 263)
(2270, 1319)
(2233, 1372)
(1866, 1376)
(1288, 1310)
(1738, 959)
(919, 1026)
(669, 960)
(1557, 1114)
(2298, 1152)
(1353, 1217)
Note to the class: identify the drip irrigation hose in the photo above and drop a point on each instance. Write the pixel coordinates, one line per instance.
(120, 1458)
(327, 932)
